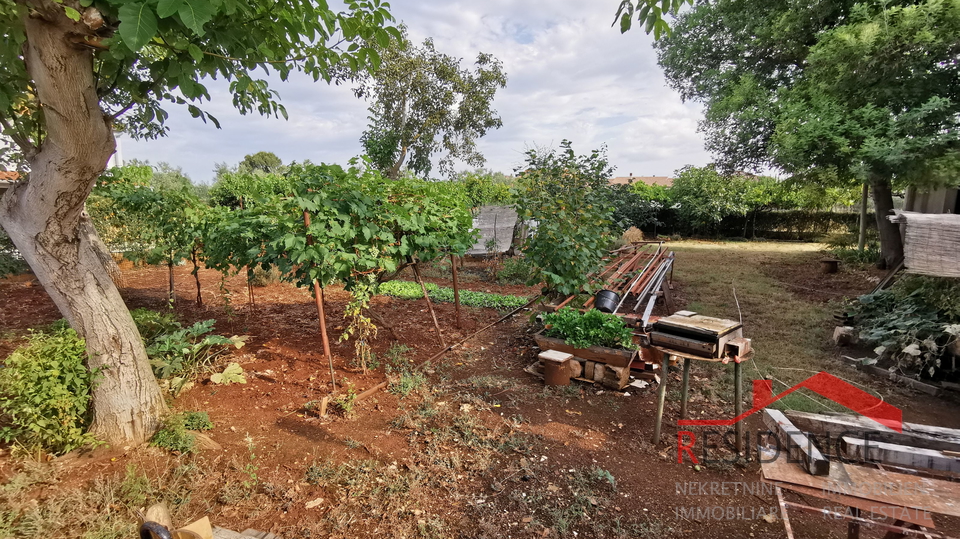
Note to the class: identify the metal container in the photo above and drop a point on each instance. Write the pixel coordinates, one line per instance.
(607, 301)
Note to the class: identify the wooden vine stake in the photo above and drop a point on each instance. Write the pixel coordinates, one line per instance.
(426, 296)
(456, 288)
(318, 297)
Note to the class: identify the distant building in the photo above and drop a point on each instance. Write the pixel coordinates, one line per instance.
(7, 179)
(664, 181)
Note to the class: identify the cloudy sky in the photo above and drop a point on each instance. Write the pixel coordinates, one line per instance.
(570, 76)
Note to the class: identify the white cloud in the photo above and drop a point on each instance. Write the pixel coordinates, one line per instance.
(570, 76)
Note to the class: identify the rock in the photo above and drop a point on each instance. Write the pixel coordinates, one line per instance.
(205, 442)
(845, 336)
(313, 503)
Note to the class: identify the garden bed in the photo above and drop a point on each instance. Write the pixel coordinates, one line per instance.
(617, 357)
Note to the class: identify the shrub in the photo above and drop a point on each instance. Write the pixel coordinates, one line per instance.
(45, 393)
(515, 271)
(262, 277)
(173, 435)
(592, 328)
(153, 324)
(912, 322)
(567, 195)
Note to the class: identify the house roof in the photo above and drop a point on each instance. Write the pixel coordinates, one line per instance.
(7, 179)
(665, 181)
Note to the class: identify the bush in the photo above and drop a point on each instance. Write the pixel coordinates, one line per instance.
(173, 435)
(182, 353)
(568, 196)
(912, 322)
(262, 277)
(592, 328)
(515, 270)
(45, 393)
(153, 324)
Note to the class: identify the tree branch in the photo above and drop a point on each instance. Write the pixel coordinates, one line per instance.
(27, 147)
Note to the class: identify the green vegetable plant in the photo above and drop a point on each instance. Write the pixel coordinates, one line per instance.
(469, 298)
(911, 323)
(180, 355)
(592, 328)
(45, 393)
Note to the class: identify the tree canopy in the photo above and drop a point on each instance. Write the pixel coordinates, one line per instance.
(423, 103)
(832, 92)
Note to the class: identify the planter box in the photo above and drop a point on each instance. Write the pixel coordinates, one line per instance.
(618, 357)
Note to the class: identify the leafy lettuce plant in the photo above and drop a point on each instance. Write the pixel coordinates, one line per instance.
(592, 328)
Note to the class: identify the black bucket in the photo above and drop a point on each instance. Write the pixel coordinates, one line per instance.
(607, 301)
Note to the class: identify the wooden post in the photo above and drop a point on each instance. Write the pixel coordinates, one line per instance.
(196, 276)
(862, 242)
(456, 288)
(172, 294)
(250, 296)
(853, 527)
(738, 402)
(685, 389)
(318, 298)
(426, 296)
(661, 394)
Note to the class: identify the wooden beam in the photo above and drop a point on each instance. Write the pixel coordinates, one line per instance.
(898, 455)
(797, 445)
(865, 522)
(836, 426)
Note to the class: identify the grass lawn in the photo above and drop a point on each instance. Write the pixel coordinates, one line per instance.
(757, 282)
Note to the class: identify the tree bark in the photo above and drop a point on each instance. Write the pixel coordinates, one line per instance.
(891, 244)
(45, 219)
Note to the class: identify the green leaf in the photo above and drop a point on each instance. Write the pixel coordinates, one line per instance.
(195, 52)
(72, 13)
(196, 13)
(138, 25)
(166, 8)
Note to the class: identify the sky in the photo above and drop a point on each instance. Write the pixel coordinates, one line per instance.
(570, 75)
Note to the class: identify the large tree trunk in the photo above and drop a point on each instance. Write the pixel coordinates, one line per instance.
(891, 244)
(45, 219)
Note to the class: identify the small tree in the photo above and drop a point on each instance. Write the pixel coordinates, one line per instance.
(75, 70)
(425, 103)
(567, 196)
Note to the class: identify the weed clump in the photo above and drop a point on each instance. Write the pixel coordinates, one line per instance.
(45, 393)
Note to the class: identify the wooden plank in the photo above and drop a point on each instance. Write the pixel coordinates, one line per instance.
(916, 435)
(783, 514)
(798, 446)
(898, 455)
(891, 488)
(601, 354)
(895, 531)
(913, 516)
(923, 387)
(223, 533)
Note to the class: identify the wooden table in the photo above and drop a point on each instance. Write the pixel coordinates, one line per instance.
(665, 355)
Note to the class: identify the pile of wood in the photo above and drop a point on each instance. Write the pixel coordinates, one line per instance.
(931, 243)
(890, 480)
